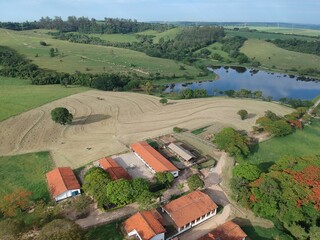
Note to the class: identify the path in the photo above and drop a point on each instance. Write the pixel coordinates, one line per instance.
(98, 217)
(314, 106)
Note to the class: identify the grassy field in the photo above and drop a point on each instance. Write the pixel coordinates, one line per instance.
(116, 37)
(256, 232)
(87, 58)
(109, 231)
(166, 35)
(25, 171)
(302, 142)
(265, 35)
(270, 55)
(18, 95)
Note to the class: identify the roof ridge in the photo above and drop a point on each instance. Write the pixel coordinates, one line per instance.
(161, 156)
(144, 219)
(200, 197)
(60, 174)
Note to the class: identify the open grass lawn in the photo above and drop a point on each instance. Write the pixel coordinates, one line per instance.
(302, 142)
(73, 57)
(109, 231)
(18, 95)
(296, 31)
(167, 35)
(270, 55)
(25, 171)
(260, 233)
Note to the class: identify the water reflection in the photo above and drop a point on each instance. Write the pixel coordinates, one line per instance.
(271, 84)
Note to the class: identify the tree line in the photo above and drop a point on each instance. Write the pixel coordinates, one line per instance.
(86, 25)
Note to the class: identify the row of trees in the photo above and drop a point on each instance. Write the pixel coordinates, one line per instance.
(86, 25)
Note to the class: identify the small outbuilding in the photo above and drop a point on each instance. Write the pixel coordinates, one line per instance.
(62, 183)
(145, 225)
(181, 152)
(226, 231)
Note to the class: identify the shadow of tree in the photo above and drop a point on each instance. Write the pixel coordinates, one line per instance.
(90, 119)
(251, 115)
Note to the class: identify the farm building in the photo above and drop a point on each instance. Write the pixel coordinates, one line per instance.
(62, 183)
(145, 225)
(190, 210)
(226, 231)
(153, 159)
(113, 169)
(181, 152)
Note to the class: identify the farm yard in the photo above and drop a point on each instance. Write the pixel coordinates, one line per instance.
(105, 123)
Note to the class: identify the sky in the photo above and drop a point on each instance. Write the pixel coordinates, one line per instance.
(291, 11)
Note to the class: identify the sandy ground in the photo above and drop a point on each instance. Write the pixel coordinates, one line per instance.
(105, 123)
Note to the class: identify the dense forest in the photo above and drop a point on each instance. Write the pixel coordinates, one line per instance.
(86, 25)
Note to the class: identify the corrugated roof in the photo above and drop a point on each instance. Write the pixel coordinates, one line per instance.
(184, 153)
(158, 162)
(60, 180)
(145, 223)
(226, 231)
(115, 171)
(189, 207)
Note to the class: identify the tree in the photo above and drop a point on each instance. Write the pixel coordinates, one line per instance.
(119, 192)
(61, 115)
(164, 178)
(232, 142)
(243, 114)
(95, 184)
(177, 130)
(147, 87)
(15, 202)
(42, 43)
(195, 182)
(247, 171)
(163, 101)
(51, 52)
(139, 185)
(146, 200)
(61, 229)
(10, 228)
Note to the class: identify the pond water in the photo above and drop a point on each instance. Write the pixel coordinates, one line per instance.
(271, 84)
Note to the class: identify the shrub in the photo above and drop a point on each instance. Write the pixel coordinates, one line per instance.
(195, 182)
(177, 130)
(243, 114)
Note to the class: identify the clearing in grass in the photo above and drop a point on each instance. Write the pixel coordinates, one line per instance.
(108, 231)
(301, 142)
(18, 95)
(26, 171)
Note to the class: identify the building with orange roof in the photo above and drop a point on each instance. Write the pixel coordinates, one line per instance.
(190, 210)
(226, 231)
(113, 169)
(153, 159)
(62, 183)
(145, 225)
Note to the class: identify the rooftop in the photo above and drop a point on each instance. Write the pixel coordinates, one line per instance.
(226, 231)
(115, 171)
(146, 223)
(189, 207)
(158, 162)
(184, 153)
(60, 180)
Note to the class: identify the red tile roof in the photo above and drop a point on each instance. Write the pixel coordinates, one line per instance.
(190, 207)
(158, 162)
(146, 223)
(60, 180)
(115, 171)
(226, 231)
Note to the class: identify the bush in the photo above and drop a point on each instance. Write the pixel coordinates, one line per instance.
(9, 229)
(177, 130)
(195, 182)
(243, 114)
(247, 171)
(61, 115)
(42, 43)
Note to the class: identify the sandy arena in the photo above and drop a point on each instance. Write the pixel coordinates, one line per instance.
(105, 123)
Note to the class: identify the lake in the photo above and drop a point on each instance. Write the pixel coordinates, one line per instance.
(271, 84)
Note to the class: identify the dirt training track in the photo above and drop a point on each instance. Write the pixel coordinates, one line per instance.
(106, 122)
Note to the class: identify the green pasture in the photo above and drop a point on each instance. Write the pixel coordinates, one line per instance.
(265, 35)
(73, 57)
(301, 142)
(25, 171)
(18, 95)
(167, 35)
(271, 56)
(256, 232)
(108, 231)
